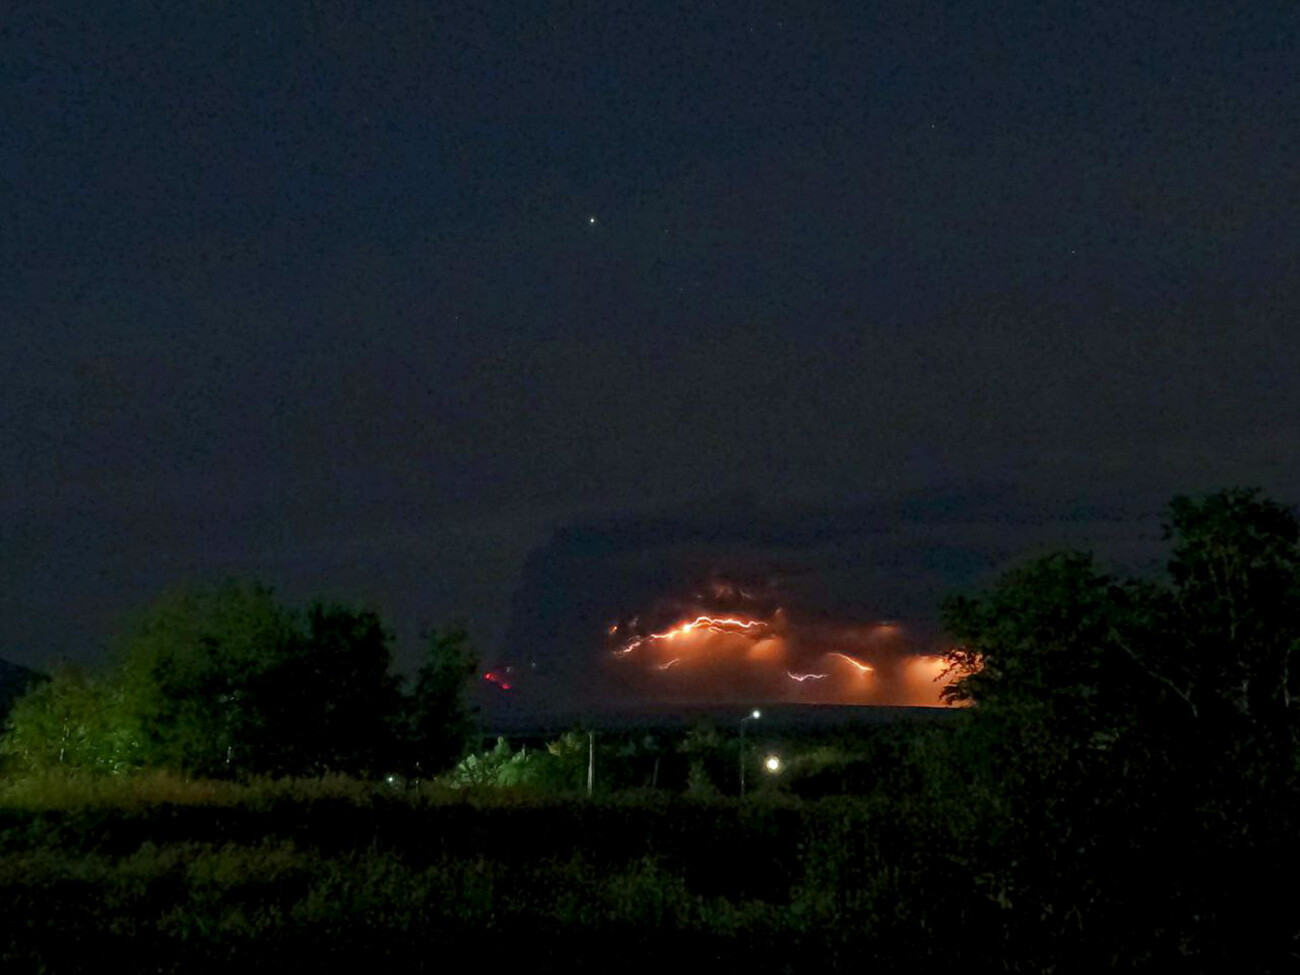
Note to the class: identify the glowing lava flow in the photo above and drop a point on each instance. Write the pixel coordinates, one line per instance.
(803, 677)
(492, 677)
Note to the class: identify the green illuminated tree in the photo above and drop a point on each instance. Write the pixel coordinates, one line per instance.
(227, 681)
(191, 666)
(72, 721)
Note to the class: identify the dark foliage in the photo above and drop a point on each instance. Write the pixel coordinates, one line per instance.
(1139, 743)
(15, 681)
(441, 722)
(331, 703)
(1122, 794)
(226, 682)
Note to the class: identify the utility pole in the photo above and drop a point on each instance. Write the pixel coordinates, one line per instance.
(742, 758)
(752, 716)
(591, 761)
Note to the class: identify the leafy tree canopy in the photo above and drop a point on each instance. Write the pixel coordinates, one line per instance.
(1065, 658)
(225, 680)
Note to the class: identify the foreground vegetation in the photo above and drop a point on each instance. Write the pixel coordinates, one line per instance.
(1123, 794)
(291, 872)
(190, 876)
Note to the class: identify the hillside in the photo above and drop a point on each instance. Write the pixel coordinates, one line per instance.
(14, 681)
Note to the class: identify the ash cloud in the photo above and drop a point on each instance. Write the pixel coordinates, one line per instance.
(822, 578)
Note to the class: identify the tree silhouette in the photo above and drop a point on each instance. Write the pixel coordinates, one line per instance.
(441, 722)
(1136, 740)
(330, 704)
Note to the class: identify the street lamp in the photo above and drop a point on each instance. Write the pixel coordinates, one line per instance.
(752, 716)
(772, 764)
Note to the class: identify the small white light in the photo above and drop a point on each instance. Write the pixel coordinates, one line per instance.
(772, 763)
(756, 713)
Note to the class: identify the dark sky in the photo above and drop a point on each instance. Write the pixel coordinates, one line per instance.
(369, 299)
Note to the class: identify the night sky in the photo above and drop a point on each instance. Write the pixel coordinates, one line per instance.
(499, 311)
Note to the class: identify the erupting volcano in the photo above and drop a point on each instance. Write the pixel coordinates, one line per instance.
(727, 642)
(729, 655)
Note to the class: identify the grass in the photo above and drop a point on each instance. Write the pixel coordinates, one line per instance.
(268, 905)
(185, 876)
(53, 791)
(163, 874)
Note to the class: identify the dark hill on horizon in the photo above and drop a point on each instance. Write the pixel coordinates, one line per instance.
(776, 717)
(14, 683)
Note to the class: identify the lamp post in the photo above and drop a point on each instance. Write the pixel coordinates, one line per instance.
(752, 716)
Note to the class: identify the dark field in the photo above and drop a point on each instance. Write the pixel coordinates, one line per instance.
(1124, 793)
(165, 875)
(184, 877)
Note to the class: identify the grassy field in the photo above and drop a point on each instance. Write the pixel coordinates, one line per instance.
(168, 875)
(158, 874)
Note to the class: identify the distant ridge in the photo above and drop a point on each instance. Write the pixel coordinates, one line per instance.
(14, 682)
(670, 717)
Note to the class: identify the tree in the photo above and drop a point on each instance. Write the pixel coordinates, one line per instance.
(189, 666)
(709, 760)
(1236, 603)
(1048, 654)
(441, 721)
(1137, 739)
(72, 721)
(226, 681)
(1210, 649)
(1202, 660)
(566, 770)
(15, 681)
(330, 703)
(491, 768)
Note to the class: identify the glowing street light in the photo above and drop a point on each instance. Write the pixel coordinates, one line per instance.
(752, 716)
(772, 763)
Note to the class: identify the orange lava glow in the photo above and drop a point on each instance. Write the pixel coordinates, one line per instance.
(926, 677)
(768, 648)
(708, 657)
